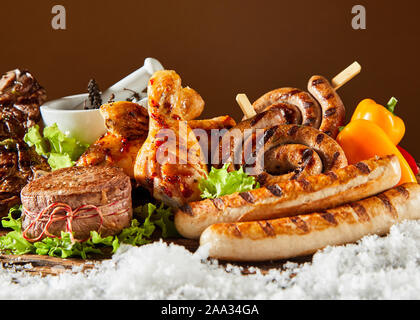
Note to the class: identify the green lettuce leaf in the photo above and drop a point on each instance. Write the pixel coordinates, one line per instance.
(160, 216)
(57, 161)
(13, 242)
(62, 144)
(34, 138)
(220, 182)
(152, 216)
(61, 150)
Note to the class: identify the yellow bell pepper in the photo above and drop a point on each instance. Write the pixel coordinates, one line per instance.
(384, 117)
(363, 139)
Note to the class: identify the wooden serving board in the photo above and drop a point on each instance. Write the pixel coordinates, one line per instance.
(46, 265)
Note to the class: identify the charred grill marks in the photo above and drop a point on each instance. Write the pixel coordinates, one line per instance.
(257, 118)
(360, 211)
(293, 130)
(269, 133)
(262, 178)
(335, 158)
(267, 228)
(329, 112)
(332, 175)
(186, 208)
(309, 121)
(319, 138)
(236, 232)
(292, 93)
(307, 155)
(218, 203)
(247, 196)
(317, 81)
(308, 104)
(305, 184)
(329, 96)
(363, 168)
(275, 190)
(403, 191)
(300, 224)
(329, 217)
(387, 204)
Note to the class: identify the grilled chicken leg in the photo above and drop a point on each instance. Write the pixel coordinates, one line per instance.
(170, 162)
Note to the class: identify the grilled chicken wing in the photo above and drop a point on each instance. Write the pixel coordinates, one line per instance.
(127, 125)
(127, 119)
(170, 162)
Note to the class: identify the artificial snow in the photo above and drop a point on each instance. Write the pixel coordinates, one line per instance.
(374, 268)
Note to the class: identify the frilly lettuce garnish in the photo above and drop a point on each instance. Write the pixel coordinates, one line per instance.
(220, 182)
(61, 150)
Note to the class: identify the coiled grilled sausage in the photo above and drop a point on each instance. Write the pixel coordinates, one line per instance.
(305, 103)
(321, 108)
(312, 150)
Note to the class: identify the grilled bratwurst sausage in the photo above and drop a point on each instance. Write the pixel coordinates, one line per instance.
(333, 111)
(292, 197)
(321, 108)
(233, 139)
(266, 153)
(304, 234)
(305, 103)
(307, 143)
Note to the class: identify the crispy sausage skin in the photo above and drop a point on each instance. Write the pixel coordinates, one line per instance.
(305, 143)
(304, 102)
(304, 234)
(333, 110)
(292, 197)
(269, 150)
(243, 129)
(320, 108)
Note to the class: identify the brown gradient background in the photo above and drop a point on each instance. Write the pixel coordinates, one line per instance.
(221, 48)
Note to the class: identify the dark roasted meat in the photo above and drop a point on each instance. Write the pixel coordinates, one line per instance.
(21, 96)
(20, 99)
(18, 164)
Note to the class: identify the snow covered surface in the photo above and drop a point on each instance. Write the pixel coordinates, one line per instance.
(374, 268)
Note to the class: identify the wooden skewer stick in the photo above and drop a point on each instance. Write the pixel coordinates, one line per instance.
(337, 82)
(346, 75)
(245, 105)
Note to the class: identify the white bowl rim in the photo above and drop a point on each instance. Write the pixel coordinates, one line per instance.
(47, 108)
(54, 110)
